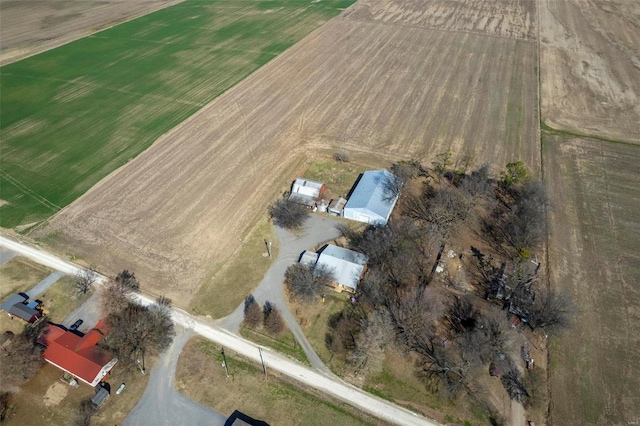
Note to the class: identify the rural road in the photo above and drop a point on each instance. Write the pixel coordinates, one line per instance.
(330, 385)
(161, 404)
(318, 229)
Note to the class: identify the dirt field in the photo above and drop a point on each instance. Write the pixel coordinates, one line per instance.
(29, 27)
(179, 209)
(595, 373)
(590, 61)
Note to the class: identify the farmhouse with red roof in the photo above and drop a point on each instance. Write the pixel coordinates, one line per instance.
(79, 354)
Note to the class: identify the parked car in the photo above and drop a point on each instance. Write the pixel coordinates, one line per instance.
(75, 325)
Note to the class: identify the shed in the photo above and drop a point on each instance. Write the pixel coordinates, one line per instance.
(307, 192)
(24, 312)
(336, 206)
(16, 298)
(370, 201)
(100, 397)
(347, 266)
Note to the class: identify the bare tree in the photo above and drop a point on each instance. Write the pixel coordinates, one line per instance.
(136, 331)
(477, 185)
(461, 315)
(253, 316)
(442, 163)
(273, 321)
(551, 311)
(305, 283)
(443, 208)
(514, 386)
(84, 413)
(128, 280)
(287, 214)
(84, 279)
(391, 185)
(376, 333)
(21, 358)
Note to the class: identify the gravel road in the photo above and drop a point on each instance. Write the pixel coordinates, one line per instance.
(161, 404)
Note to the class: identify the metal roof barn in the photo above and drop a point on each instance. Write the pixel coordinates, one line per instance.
(370, 201)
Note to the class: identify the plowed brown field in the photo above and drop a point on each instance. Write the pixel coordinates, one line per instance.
(29, 27)
(595, 373)
(590, 62)
(179, 209)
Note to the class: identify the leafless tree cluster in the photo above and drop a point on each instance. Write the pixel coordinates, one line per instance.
(84, 413)
(21, 357)
(84, 280)
(273, 321)
(287, 214)
(252, 313)
(136, 331)
(306, 283)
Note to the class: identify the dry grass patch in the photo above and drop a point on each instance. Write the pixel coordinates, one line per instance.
(19, 275)
(273, 400)
(230, 285)
(285, 343)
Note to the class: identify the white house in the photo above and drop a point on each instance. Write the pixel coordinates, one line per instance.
(370, 201)
(347, 266)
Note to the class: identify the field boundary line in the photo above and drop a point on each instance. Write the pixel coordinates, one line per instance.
(83, 35)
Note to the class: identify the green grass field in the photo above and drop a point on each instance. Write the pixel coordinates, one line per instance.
(72, 115)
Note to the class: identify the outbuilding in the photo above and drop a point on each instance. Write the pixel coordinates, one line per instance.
(307, 192)
(371, 201)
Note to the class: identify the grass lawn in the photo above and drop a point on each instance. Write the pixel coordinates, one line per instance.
(275, 401)
(72, 115)
(19, 275)
(285, 343)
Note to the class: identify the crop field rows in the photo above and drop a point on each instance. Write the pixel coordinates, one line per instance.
(594, 259)
(590, 67)
(72, 115)
(365, 86)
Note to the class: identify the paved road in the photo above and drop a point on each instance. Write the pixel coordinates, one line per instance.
(322, 382)
(318, 229)
(161, 404)
(43, 285)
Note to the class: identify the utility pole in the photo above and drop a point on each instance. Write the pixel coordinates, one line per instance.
(264, 369)
(224, 363)
(268, 244)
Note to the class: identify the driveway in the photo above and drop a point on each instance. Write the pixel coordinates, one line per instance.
(43, 285)
(5, 256)
(161, 404)
(318, 229)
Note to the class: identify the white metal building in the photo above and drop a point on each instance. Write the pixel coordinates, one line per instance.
(370, 201)
(347, 266)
